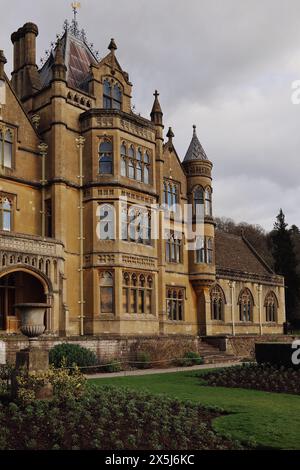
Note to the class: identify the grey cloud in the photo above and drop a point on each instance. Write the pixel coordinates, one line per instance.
(224, 65)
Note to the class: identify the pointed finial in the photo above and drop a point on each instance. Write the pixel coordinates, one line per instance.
(156, 113)
(112, 45)
(170, 134)
(194, 130)
(75, 7)
(59, 59)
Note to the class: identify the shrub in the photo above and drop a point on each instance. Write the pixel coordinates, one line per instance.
(256, 376)
(112, 366)
(142, 360)
(70, 355)
(5, 378)
(190, 358)
(140, 421)
(66, 384)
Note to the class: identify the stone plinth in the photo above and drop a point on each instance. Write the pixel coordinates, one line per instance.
(33, 360)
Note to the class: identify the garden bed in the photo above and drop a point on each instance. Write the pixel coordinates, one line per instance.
(110, 418)
(255, 376)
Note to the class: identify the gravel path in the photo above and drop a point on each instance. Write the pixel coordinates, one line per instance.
(125, 373)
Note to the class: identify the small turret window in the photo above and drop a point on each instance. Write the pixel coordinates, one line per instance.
(208, 202)
(204, 250)
(198, 200)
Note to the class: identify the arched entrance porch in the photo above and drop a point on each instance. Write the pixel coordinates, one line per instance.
(19, 286)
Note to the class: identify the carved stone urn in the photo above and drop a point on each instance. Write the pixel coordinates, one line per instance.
(33, 359)
(32, 319)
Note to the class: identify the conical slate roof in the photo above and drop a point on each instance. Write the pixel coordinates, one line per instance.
(195, 150)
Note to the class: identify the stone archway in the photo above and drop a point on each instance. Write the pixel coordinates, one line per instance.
(19, 285)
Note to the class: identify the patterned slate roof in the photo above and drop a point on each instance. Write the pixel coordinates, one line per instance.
(234, 253)
(77, 58)
(195, 150)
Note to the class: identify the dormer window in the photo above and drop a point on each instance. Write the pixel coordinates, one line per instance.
(112, 95)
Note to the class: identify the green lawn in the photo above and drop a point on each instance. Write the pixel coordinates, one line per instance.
(271, 419)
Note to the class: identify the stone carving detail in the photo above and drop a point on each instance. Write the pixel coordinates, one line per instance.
(106, 259)
(136, 130)
(138, 260)
(104, 121)
(28, 246)
(138, 197)
(198, 170)
(105, 192)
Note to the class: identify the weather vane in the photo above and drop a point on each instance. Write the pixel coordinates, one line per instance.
(75, 6)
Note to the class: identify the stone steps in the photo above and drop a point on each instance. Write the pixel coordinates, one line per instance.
(212, 354)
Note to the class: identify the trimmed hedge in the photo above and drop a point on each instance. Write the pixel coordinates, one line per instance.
(277, 354)
(68, 355)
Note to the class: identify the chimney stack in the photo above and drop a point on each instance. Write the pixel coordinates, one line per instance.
(25, 76)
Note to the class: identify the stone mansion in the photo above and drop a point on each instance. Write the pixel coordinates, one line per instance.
(72, 149)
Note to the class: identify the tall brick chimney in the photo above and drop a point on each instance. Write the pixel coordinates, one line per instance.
(25, 76)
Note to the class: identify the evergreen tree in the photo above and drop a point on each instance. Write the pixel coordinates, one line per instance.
(283, 251)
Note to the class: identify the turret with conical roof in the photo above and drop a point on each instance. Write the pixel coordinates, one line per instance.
(198, 168)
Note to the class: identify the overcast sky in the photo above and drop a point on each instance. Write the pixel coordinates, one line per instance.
(225, 65)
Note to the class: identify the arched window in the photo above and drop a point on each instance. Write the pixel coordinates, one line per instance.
(271, 307)
(217, 302)
(200, 250)
(131, 165)
(174, 247)
(208, 202)
(6, 147)
(209, 251)
(117, 97)
(112, 95)
(106, 292)
(107, 104)
(139, 171)
(106, 214)
(136, 226)
(175, 303)
(246, 305)
(106, 158)
(146, 168)
(198, 200)
(123, 160)
(6, 214)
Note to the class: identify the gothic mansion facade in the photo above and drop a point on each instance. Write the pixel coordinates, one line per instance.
(72, 150)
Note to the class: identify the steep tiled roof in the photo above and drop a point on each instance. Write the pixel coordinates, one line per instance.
(77, 58)
(195, 150)
(234, 253)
